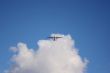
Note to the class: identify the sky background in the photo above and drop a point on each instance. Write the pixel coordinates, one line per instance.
(28, 21)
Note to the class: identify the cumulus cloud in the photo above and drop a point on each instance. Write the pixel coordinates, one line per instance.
(58, 56)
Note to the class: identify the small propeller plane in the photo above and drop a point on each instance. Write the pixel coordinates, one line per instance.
(54, 38)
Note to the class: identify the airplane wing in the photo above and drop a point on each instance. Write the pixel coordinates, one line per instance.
(54, 37)
(58, 37)
(50, 37)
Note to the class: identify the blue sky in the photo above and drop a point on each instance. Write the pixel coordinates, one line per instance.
(88, 23)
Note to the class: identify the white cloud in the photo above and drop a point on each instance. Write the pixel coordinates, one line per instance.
(58, 56)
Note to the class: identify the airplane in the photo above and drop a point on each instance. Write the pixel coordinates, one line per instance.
(54, 38)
